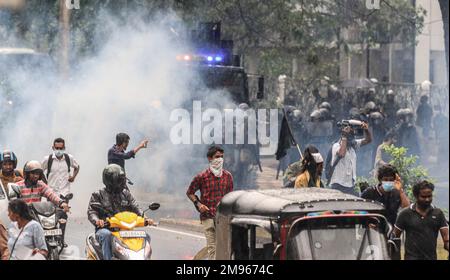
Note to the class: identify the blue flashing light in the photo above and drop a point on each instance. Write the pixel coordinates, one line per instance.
(209, 58)
(219, 58)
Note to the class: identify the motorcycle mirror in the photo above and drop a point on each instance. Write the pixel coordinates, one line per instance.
(154, 206)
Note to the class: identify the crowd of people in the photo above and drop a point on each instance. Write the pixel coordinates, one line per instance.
(421, 221)
(51, 178)
(412, 128)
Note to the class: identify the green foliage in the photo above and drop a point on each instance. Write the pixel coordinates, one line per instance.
(275, 32)
(309, 30)
(410, 173)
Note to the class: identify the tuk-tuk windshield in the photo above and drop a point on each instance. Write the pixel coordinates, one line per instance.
(338, 238)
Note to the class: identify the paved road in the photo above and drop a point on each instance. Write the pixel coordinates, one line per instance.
(167, 243)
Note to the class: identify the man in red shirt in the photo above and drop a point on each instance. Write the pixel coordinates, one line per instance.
(213, 184)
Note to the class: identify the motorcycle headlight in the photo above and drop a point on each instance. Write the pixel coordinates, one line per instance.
(48, 222)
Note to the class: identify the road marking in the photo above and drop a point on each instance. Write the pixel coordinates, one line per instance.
(179, 232)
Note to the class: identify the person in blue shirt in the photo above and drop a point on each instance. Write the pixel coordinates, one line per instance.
(117, 154)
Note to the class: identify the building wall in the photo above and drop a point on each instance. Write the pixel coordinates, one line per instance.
(430, 50)
(393, 63)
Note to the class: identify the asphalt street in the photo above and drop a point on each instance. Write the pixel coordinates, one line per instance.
(167, 243)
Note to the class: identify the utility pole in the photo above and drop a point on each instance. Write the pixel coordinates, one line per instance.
(64, 34)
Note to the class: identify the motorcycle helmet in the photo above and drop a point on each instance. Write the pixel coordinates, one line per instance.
(33, 165)
(114, 178)
(8, 156)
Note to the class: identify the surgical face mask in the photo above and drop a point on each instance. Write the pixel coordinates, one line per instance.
(387, 185)
(216, 167)
(59, 153)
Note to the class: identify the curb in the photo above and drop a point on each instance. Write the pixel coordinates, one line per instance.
(191, 225)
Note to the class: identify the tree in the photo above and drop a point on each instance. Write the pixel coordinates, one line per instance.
(310, 31)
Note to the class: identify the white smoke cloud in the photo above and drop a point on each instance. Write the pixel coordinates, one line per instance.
(129, 86)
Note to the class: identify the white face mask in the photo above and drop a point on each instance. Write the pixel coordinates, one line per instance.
(216, 167)
(59, 153)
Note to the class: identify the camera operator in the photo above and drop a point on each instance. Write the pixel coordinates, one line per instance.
(342, 172)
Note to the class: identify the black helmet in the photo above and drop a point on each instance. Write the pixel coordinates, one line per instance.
(8, 156)
(325, 105)
(114, 178)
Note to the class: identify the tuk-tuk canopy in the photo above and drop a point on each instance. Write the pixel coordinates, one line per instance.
(278, 202)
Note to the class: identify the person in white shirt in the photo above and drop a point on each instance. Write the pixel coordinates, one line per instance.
(58, 167)
(344, 159)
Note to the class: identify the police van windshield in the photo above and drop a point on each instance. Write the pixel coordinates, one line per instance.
(227, 79)
(355, 238)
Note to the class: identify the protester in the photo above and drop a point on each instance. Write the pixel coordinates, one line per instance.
(381, 157)
(311, 170)
(117, 154)
(422, 223)
(389, 191)
(8, 173)
(342, 170)
(213, 184)
(58, 167)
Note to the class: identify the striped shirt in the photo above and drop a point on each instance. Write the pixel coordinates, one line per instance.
(212, 189)
(34, 193)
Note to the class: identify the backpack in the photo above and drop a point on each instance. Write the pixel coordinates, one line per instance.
(50, 162)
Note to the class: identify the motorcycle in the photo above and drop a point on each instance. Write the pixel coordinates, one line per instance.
(48, 215)
(127, 243)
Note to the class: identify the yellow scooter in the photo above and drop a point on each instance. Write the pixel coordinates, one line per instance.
(127, 243)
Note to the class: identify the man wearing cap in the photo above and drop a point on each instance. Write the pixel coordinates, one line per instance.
(311, 169)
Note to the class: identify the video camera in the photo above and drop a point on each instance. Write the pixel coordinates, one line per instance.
(354, 124)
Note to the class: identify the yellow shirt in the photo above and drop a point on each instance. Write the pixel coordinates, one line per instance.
(10, 179)
(303, 180)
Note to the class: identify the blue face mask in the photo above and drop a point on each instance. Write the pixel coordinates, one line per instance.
(387, 185)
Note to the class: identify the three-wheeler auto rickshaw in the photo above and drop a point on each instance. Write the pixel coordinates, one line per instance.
(301, 224)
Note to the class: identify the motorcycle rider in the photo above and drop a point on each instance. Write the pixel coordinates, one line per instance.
(33, 188)
(8, 173)
(113, 198)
